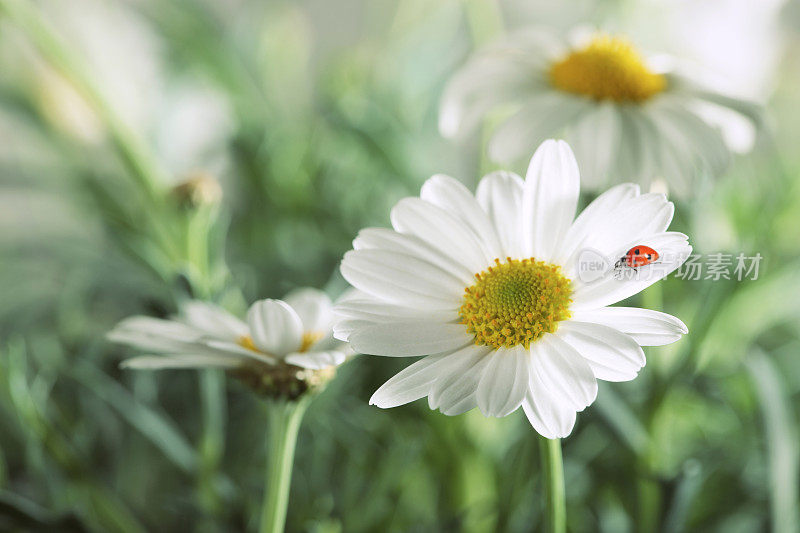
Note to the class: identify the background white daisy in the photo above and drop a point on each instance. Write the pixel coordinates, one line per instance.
(627, 116)
(411, 299)
(295, 331)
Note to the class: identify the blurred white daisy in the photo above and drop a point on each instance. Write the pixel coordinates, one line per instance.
(489, 289)
(627, 116)
(277, 337)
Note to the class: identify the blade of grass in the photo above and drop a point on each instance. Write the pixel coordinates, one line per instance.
(153, 426)
(781, 432)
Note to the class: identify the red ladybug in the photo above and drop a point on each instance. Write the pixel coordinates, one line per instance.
(638, 256)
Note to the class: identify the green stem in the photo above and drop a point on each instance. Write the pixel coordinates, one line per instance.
(212, 444)
(135, 156)
(284, 423)
(553, 476)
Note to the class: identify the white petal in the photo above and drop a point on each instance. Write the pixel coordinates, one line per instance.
(342, 329)
(390, 240)
(738, 132)
(550, 198)
(504, 382)
(616, 285)
(500, 195)
(747, 109)
(595, 140)
(371, 309)
(647, 327)
(563, 371)
(154, 334)
(458, 375)
(542, 116)
(314, 308)
(364, 311)
(703, 141)
(611, 354)
(607, 233)
(275, 327)
(406, 339)
(315, 360)
(631, 163)
(550, 417)
(594, 214)
(490, 78)
(411, 383)
(152, 362)
(451, 195)
(213, 320)
(231, 348)
(441, 230)
(402, 279)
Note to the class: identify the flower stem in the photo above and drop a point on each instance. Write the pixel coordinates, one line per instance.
(553, 476)
(284, 422)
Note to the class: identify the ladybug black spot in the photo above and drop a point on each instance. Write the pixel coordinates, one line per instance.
(636, 251)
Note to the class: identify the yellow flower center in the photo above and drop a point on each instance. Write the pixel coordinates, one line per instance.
(516, 302)
(309, 339)
(608, 68)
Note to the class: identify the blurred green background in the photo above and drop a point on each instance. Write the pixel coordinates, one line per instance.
(315, 117)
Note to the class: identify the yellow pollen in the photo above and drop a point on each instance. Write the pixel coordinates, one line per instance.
(608, 68)
(247, 342)
(516, 302)
(309, 339)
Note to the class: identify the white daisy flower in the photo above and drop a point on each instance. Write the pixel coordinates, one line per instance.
(626, 116)
(277, 337)
(488, 288)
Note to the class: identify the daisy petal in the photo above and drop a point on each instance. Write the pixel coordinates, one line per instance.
(607, 232)
(355, 313)
(504, 382)
(487, 80)
(594, 150)
(236, 349)
(315, 360)
(458, 375)
(156, 362)
(549, 199)
(541, 116)
(314, 308)
(440, 229)
(616, 285)
(451, 195)
(154, 334)
(387, 239)
(593, 215)
(500, 195)
(275, 327)
(402, 279)
(408, 385)
(407, 339)
(212, 320)
(550, 417)
(647, 327)
(611, 354)
(564, 371)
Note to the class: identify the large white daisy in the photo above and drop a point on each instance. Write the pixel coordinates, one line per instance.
(626, 116)
(490, 289)
(277, 334)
